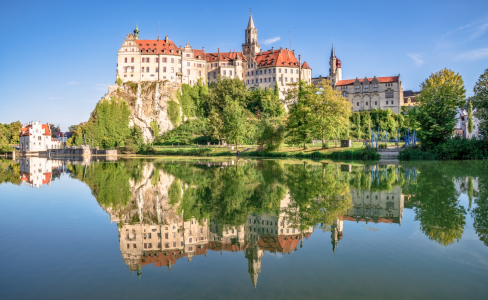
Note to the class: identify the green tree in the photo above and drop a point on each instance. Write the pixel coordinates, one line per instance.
(470, 117)
(234, 121)
(330, 110)
(271, 133)
(441, 95)
(480, 100)
(154, 128)
(224, 91)
(215, 126)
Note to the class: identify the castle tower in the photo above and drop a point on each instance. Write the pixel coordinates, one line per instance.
(335, 70)
(251, 46)
(336, 233)
(254, 255)
(136, 32)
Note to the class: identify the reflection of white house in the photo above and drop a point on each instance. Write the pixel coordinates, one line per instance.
(461, 127)
(37, 137)
(37, 171)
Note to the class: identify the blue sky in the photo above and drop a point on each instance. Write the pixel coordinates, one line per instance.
(58, 57)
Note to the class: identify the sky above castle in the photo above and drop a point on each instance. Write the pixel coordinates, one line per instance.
(58, 57)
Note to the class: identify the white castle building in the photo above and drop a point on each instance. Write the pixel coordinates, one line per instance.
(35, 137)
(160, 60)
(365, 93)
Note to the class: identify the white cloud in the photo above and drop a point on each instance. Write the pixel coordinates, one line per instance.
(416, 58)
(73, 82)
(271, 40)
(479, 31)
(473, 54)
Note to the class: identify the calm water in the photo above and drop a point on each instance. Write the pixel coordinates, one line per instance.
(134, 229)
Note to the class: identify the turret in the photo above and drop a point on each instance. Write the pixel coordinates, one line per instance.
(136, 32)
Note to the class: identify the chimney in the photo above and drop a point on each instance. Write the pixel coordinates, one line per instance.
(203, 49)
(293, 52)
(166, 39)
(272, 50)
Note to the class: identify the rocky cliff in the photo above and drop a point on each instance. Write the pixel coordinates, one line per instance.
(148, 102)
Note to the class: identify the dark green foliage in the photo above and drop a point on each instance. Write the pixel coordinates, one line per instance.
(108, 126)
(193, 131)
(9, 134)
(271, 134)
(455, 148)
(265, 103)
(223, 91)
(480, 100)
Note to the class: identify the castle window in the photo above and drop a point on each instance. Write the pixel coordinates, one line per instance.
(179, 70)
(188, 72)
(376, 103)
(154, 50)
(187, 64)
(230, 73)
(357, 88)
(132, 70)
(274, 78)
(389, 94)
(264, 79)
(200, 73)
(386, 102)
(172, 70)
(291, 79)
(391, 102)
(142, 69)
(261, 80)
(157, 60)
(248, 82)
(179, 61)
(279, 70)
(147, 70)
(142, 51)
(366, 103)
(172, 60)
(264, 71)
(247, 73)
(214, 75)
(131, 59)
(286, 70)
(252, 81)
(261, 72)
(125, 59)
(366, 88)
(358, 104)
(157, 70)
(225, 73)
(188, 55)
(375, 87)
(252, 73)
(286, 79)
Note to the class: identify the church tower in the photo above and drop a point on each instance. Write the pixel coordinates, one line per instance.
(136, 32)
(251, 46)
(335, 70)
(254, 255)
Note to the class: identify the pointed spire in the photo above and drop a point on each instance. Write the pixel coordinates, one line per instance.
(332, 52)
(251, 23)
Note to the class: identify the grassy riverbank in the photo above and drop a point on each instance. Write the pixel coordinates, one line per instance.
(356, 152)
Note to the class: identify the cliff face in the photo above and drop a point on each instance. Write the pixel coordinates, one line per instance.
(148, 102)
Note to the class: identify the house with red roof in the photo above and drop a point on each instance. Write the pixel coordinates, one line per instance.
(36, 137)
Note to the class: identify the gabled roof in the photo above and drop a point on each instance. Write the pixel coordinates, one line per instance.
(387, 79)
(305, 66)
(224, 56)
(25, 131)
(276, 58)
(159, 46)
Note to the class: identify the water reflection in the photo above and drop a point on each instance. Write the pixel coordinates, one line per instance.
(169, 211)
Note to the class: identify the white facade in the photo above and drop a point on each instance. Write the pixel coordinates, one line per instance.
(36, 171)
(461, 127)
(35, 137)
(160, 60)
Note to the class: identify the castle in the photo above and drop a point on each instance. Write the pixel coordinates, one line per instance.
(161, 60)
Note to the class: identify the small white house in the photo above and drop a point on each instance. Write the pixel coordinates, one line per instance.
(461, 127)
(34, 137)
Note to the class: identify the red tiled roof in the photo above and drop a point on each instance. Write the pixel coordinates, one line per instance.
(380, 80)
(280, 58)
(25, 131)
(161, 45)
(47, 178)
(224, 56)
(283, 243)
(306, 66)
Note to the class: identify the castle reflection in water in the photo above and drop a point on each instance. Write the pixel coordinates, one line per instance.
(153, 232)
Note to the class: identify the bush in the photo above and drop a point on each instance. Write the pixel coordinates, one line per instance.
(455, 148)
